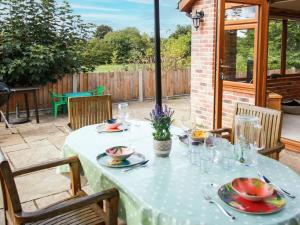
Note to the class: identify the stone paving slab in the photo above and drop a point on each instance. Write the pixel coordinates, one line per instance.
(36, 155)
(41, 184)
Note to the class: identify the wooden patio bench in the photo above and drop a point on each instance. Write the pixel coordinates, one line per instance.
(271, 121)
(79, 209)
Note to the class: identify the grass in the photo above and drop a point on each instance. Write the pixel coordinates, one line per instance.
(113, 68)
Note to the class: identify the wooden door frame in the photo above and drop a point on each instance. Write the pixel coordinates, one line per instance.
(262, 54)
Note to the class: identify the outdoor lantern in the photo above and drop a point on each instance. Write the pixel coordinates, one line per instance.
(197, 19)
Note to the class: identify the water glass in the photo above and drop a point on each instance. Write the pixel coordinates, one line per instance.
(123, 112)
(228, 161)
(194, 152)
(213, 146)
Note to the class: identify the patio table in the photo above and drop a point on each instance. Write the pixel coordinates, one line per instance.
(169, 190)
(77, 94)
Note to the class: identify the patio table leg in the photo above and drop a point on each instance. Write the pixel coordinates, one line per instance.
(36, 106)
(27, 105)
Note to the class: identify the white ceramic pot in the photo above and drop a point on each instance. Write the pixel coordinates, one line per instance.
(162, 148)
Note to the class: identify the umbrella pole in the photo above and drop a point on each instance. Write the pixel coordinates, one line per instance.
(157, 55)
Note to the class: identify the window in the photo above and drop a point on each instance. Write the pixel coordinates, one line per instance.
(238, 63)
(239, 12)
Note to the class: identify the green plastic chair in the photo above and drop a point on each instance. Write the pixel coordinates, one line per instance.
(99, 91)
(58, 100)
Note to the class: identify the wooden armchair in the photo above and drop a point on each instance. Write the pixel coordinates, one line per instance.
(90, 110)
(79, 209)
(271, 121)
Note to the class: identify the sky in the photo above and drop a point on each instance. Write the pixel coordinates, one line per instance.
(134, 13)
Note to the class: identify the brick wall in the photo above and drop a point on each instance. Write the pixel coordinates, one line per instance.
(203, 64)
(230, 98)
(288, 86)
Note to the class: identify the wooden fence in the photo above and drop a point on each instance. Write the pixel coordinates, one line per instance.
(123, 86)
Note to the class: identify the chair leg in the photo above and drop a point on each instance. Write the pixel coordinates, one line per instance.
(55, 111)
(6, 122)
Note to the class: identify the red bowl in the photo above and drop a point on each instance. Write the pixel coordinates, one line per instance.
(252, 189)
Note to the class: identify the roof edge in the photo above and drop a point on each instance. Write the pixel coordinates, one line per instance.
(186, 5)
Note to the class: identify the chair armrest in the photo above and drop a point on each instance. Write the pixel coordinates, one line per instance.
(276, 149)
(111, 196)
(46, 165)
(221, 131)
(73, 162)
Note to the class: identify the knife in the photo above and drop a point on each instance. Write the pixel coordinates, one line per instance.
(276, 186)
(135, 166)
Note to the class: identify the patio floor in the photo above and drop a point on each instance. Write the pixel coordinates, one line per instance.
(36, 143)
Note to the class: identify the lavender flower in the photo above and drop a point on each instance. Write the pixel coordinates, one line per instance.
(161, 119)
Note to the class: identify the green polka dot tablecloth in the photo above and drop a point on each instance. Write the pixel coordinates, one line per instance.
(169, 191)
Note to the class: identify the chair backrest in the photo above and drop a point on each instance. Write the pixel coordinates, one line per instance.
(9, 190)
(100, 90)
(271, 121)
(90, 110)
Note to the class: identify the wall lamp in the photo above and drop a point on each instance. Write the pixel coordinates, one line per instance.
(197, 18)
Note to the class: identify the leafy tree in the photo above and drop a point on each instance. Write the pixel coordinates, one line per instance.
(176, 52)
(181, 30)
(126, 43)
(40, 41)
(102, 30)
(98, 52)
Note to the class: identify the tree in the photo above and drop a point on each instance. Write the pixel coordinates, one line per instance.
(98, 52)
(40, 41)
(126, 44)
(181, 30)
(102, 30)
(176, 52)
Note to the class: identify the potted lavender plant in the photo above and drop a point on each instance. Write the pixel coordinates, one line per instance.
(161, 120)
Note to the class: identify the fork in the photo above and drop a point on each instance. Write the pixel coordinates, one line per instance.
(210, 200)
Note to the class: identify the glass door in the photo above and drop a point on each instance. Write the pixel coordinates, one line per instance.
(238, 54)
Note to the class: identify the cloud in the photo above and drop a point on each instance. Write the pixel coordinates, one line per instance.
(95, 8)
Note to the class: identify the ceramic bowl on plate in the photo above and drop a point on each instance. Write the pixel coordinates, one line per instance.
(198, 135)
(119, 152)
(252, 189)
(112, 124)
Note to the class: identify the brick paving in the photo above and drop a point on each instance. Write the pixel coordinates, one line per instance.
(35, 143)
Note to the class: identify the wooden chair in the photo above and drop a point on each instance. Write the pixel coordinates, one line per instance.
(79, 209)
(271, 121)
(85, 111)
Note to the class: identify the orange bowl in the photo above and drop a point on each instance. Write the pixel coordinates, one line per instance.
(252, 189)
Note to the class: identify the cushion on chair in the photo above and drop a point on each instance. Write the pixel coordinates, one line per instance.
(291, 107)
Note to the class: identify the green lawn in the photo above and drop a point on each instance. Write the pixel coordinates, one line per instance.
(113, 68)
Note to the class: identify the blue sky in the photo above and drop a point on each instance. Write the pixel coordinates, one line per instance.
(124, 13)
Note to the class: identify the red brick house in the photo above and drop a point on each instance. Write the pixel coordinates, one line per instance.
(222, 76)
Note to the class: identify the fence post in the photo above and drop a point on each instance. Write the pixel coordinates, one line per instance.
(141, 86)
(75, 82)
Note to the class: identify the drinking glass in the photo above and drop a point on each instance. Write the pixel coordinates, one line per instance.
(212, 144)
(194, 152)
(123, 112)
(228, 161)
